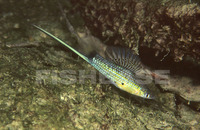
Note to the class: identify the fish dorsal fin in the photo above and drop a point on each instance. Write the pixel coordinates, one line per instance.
(124, 57)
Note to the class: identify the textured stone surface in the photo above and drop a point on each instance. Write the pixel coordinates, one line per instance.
(27, 104)
(172, 26)
(185, 87)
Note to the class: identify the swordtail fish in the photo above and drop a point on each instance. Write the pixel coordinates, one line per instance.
(119, 65)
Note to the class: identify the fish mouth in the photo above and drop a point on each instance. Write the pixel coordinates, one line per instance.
(150, 96)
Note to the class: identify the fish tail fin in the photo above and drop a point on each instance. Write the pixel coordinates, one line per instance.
(69, 26)
(88, 44)
(62, 42)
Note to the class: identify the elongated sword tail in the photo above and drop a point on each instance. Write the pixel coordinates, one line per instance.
(62, 42)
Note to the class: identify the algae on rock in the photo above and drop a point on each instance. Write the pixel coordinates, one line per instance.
(27, 104)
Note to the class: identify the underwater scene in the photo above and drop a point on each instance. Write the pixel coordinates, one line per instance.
(100, 64)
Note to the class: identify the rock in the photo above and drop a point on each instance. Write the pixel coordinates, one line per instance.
(184, 87)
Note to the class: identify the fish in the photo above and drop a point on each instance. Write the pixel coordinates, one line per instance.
(119, 65)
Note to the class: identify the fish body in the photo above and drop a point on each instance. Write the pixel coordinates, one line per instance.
(118, 65)
(119, 76)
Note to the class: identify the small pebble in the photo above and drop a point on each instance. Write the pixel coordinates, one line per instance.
(16, 25)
